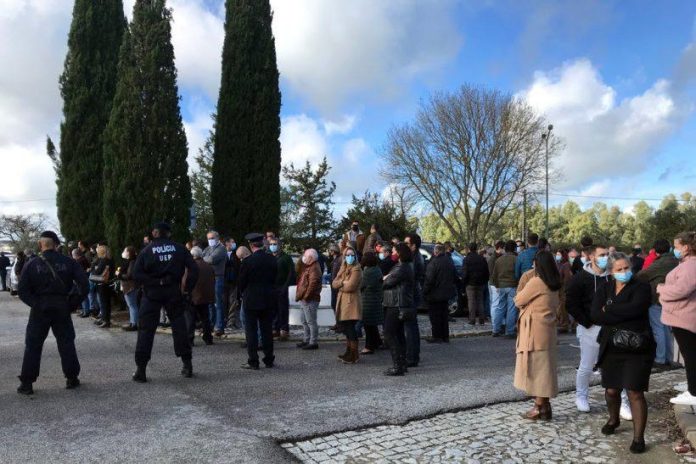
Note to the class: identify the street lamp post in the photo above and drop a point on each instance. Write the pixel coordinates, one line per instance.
(545, 137)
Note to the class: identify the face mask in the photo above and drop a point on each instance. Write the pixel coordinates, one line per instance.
(355, 228)
(124, 255)
(304, 260)
(637, 251)
(233, 246)
(559, 258)
(623, 276)
(518, 249)
(212, 242)
(350, 260)
(678, 254)
(382, 256)
(273, 248)
(602, 262)
(584, 260)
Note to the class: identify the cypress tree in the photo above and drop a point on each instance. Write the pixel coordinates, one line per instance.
(245, 188)
(87, 86)
(146, 172)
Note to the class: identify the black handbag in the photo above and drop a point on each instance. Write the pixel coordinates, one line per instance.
(628, 340)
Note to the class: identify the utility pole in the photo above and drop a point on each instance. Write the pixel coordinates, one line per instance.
(545, 138)
(524, 216)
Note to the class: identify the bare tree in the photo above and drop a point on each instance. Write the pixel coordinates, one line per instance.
(468, 156)
(402, 198)
(22, 231)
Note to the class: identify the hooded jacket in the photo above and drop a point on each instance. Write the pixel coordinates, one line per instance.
(581, 291)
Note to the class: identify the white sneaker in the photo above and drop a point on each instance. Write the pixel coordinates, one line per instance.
(681, 387)
(685, 399)
(582, 404)
(625, 412)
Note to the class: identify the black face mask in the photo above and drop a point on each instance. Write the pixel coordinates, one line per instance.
(636, 251)
(355, 228)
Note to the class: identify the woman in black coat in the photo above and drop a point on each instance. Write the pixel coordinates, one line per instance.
(621, 304)
(398, 307)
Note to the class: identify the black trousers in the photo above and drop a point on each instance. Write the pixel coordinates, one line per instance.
(439, 319)
(687, 347)
(282, 315)
(3, 277)
(60, 322)
(252, 321)
(105, 301)
(198, 313)
(372, 338)
(395, 336)
(148, 318)
(348, 328)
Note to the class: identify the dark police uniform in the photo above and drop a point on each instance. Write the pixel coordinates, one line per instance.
(51, 302)
(256, 285)
(160, 268)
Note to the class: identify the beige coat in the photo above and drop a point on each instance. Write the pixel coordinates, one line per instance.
(536, 367)
(348, 302)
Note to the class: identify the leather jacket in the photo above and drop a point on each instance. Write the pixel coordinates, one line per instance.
(398, 287)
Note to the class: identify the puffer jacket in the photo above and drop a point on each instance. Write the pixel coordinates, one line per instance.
(678, 296)
(398, 287)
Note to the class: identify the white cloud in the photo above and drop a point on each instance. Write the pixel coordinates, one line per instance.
(603, 137)
(332, 51)
(342, 125)
(301, 139)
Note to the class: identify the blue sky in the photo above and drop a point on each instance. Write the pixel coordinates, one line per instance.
(615, 78)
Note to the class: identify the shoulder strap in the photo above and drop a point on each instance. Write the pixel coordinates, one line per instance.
(50, 268)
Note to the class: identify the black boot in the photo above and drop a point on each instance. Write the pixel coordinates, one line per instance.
(187, 370)
(25, 388)
(72, 383)
(139, 375)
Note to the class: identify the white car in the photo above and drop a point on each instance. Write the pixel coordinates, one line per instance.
(11, 281)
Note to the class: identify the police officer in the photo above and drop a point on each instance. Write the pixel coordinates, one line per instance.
(256, 284)
(52, 285)
(159, 269)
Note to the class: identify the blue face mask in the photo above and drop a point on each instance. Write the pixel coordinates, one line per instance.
(350, 260)
(602, 262)
(584, 260)
(273, 248)
(559, 258)
(678, 254)
(382, 257)
(623, 276)
(234, 246)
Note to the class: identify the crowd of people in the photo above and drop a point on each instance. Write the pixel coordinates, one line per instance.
(624, 310)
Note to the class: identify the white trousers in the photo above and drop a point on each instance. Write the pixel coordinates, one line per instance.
(589, 351)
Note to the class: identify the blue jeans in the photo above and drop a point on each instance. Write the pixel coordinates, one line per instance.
(487, 301)
(494, 301)
(506, 312)
(132, 302)
(662, 334)
(85, 305)
(92, 297)
(216, 311)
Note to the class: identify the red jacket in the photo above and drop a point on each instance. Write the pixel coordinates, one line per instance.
(652, 256)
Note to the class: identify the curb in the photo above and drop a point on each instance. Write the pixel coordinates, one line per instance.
(686, 418)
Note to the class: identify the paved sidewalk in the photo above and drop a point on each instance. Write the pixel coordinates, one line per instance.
(497, 433)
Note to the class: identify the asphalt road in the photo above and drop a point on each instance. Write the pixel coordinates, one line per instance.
(225, 413)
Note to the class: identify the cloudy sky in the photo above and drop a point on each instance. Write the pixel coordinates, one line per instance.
(615, 78)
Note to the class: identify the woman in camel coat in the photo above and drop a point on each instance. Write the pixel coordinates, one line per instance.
(348, 302)
(536, 365)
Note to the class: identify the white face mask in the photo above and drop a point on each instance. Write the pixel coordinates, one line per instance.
(124, 255)
(212, 242)
(305, 260)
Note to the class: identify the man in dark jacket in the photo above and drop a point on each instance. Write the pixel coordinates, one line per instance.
(412, 330)
(257, 278)
(439, 287)
(385, 261)
(160, 268)
(475, 277)
(579, 295)
(4, 264)
(51, 286)
(285, 277)
(526, 257)
(503, 279)
(577, 265)
(637, 260)
(655, 275)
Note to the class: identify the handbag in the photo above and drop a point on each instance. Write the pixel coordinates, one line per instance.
(628, 340)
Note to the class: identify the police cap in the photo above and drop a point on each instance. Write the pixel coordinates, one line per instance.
(254, 237)
(163, 227)
(50, 234)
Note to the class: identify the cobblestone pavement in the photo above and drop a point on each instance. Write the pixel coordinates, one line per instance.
(459, 328)
(497, 433)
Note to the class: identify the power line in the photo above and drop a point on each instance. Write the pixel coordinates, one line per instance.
(26, 201)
